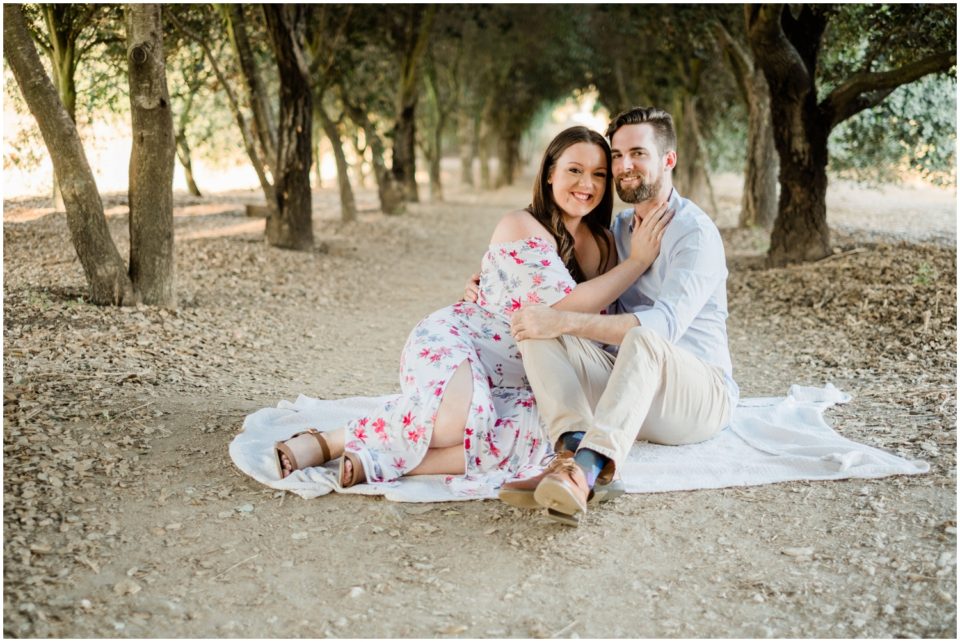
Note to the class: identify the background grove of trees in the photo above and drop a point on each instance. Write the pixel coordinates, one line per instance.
(781, 92)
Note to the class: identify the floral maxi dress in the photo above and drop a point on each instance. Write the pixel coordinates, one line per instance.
(499, 436)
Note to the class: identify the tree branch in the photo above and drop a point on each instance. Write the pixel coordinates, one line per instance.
(82, 20)
(874, 51)
(245, 133)
(263, 115)
(319, 66)
(865, 90)
(784, 67)
(740, 61)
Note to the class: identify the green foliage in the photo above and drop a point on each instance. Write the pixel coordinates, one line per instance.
(23, 147)
(727, 143)
(879, 37)
(102, 85)
(926, 274)
(641, 55)
(914, 129)
(526, 57)
(518, 60)
(199, 104)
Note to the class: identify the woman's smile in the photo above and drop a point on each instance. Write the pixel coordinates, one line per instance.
(579, 179)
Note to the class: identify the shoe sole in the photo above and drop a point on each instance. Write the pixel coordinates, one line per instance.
(556, 495)
(526, 499)
(518, 498)
(563, 518)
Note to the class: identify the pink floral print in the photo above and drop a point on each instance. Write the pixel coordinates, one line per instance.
(394, 440)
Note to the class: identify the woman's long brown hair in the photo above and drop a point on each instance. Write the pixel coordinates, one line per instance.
(545, 210)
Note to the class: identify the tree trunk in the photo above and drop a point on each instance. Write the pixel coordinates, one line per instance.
(691, 174)
(318, 160)
(800, 231)
(508, 155)
(800, 129)
(183, 155)
(467, 137)
(104, 268)
(758, 206)
(433, 147)
(404, 166)
(262, 113)
(487, 141)
(435, 121)
(348, 205)
(483, 155)
(622, 93)
(151, 159)
(249, 141)
(361, 167)
(786, 43)
(436, 186)
(291, 225)
(64, 77)
(63, 27)
(388, 190)
(180, 135)
(759, 202)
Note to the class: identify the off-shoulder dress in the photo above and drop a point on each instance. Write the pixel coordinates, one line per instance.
(498, 437)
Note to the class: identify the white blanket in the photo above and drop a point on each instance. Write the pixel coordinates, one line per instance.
(772, 439)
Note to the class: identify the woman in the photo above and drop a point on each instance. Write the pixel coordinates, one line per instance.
(463, 390)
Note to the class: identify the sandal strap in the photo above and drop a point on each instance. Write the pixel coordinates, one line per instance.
(321, 440)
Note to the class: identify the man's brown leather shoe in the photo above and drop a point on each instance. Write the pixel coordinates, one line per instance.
(520, 493)
(564, 489)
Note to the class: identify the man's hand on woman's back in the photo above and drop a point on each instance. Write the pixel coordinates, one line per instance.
(471, 291)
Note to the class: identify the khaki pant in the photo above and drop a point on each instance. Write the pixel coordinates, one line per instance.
(652, 390)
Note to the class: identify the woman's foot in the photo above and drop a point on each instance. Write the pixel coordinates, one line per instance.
(302, 450)
(351, 471)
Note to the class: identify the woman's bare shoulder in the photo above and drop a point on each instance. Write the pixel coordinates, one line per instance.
(517, 226)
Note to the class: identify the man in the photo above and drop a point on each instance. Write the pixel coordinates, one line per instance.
(671, 380)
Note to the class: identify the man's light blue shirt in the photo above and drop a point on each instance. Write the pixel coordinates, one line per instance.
(683, 295)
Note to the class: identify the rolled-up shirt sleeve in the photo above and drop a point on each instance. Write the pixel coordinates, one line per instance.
(696, 268)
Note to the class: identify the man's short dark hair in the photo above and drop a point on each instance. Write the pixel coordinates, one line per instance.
(660, 120)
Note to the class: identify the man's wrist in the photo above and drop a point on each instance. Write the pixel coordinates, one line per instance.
(564, 322)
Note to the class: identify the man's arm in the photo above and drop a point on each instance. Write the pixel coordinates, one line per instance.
(543, 322)
(696, 268)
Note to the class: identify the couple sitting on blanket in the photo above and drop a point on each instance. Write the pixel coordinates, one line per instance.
(657, 366)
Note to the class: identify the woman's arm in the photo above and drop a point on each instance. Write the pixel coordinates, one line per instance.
(599, 292)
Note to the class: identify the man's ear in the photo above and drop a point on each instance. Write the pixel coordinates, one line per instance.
(670, 160)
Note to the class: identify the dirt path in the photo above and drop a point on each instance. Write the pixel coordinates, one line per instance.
(124, 516)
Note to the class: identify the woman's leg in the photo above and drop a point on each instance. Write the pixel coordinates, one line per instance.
(437, 461)
(445, 454)
(442, 461)
(334, 439)
(454, 409)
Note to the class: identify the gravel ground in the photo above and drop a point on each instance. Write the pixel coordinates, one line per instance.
(124, 517)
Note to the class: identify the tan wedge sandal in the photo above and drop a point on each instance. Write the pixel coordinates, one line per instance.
(301, 450)
(357, 475)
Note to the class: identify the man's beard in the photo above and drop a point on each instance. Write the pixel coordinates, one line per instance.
(642, 192)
